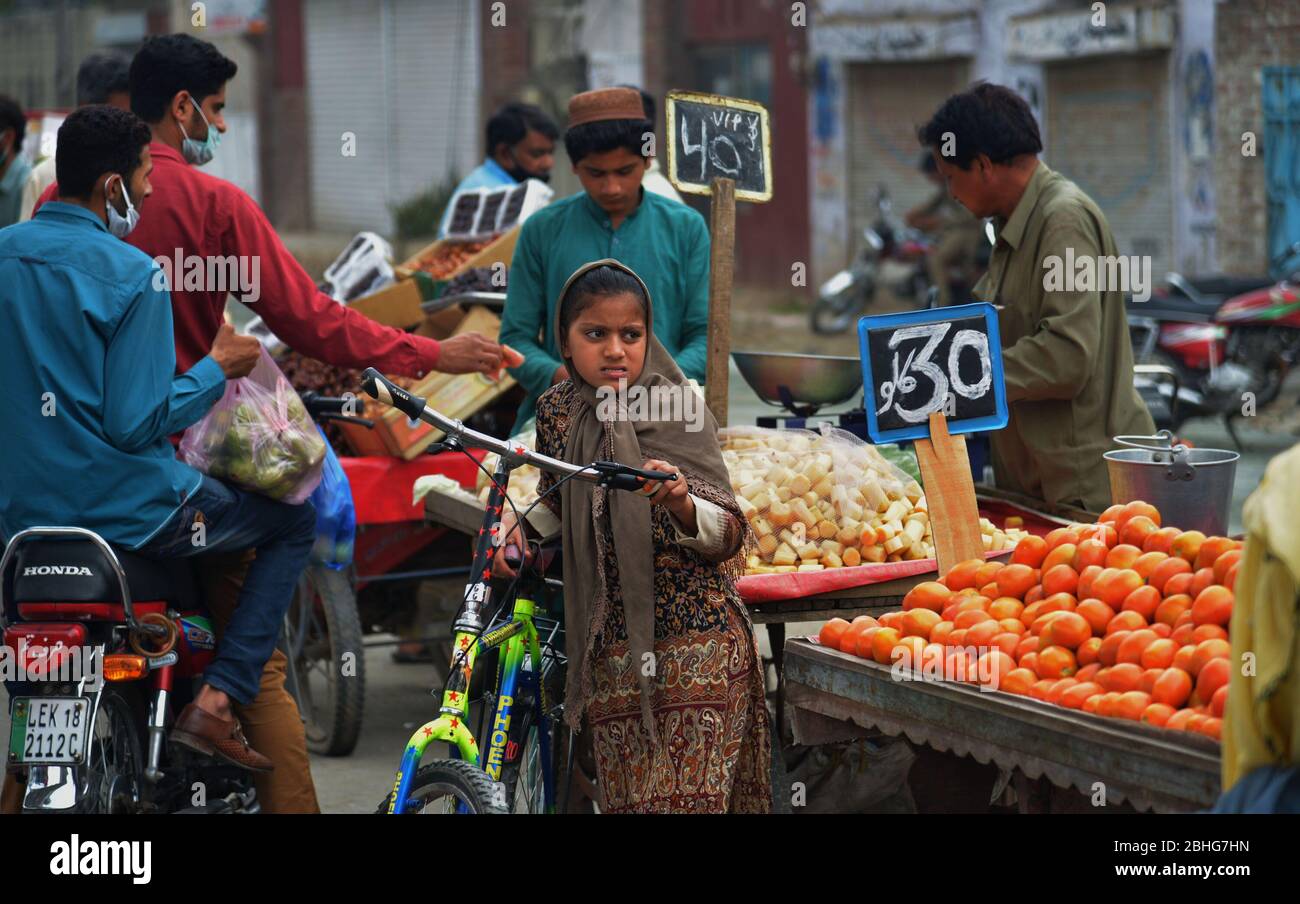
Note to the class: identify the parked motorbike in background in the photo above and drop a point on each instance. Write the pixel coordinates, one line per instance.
(1202, 344)
(893, 256)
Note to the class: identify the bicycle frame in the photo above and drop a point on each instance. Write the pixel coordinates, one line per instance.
(520, 638)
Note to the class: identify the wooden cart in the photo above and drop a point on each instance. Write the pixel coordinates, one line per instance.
(833, 696)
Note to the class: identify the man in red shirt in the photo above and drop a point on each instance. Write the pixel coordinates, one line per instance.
(226, 245)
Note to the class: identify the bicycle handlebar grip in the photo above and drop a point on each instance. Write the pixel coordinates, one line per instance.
(317, 404)
(380, 387)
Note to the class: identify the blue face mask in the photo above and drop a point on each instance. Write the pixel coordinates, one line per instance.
(200, 152)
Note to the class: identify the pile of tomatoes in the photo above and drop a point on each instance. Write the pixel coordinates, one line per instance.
(1123, 618)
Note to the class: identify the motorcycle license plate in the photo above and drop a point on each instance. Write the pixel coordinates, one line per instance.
(49, 729)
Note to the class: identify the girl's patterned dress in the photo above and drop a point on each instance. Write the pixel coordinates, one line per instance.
(712, 753)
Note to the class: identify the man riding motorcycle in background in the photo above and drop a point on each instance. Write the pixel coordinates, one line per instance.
(957, 234)
(88, 360)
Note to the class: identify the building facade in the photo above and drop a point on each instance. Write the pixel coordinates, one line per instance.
(1257, 132)
(1123, 95)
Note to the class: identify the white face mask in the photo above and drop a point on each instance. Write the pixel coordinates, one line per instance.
(119, 225)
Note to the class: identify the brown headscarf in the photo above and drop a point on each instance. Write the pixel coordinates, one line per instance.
(587, 593)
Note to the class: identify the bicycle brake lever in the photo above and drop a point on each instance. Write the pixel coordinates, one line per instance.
(622, 477)
(447, 445)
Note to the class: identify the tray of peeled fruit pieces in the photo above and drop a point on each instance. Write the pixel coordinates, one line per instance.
(828, 512)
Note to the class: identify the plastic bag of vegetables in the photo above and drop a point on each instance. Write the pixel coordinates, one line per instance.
(259, 437)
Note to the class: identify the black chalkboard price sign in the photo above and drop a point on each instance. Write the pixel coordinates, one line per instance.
(713, 137)
(946, 360)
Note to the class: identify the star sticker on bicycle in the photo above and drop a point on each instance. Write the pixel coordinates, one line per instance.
(428, 732)
(453, 697)
(455, 723)
(464, 642)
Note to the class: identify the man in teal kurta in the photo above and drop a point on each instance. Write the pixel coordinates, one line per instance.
(666, 243)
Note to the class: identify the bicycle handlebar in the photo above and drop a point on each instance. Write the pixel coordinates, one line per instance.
(606, 473)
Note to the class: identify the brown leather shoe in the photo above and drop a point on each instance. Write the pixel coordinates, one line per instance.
(204, 733)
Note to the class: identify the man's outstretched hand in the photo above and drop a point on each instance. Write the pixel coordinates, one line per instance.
(236, 355)
(469, 353)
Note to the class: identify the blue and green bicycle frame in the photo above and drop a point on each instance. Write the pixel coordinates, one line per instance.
(521, 647)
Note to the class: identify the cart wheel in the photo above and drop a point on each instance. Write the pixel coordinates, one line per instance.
(326, 660)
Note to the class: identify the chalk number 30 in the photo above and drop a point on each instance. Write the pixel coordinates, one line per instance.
(920, 362)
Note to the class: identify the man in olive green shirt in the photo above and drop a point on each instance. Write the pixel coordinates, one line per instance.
(665, 242)
(1066, 352)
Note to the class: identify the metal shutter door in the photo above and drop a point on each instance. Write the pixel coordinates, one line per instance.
(887, 101)
(434, 94)
(1108, 132)
(403, 75)
(345, 93)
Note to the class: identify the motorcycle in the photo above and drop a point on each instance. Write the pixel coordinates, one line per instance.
(107, 644)
(1215, 340)
(894, 256)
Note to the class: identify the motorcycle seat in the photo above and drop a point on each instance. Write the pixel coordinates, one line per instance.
(75, 571)
(1225, 287)
(1178, 308)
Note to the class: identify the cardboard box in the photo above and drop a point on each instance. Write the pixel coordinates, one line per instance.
(454, 395)
(499, 251)
(398, 305)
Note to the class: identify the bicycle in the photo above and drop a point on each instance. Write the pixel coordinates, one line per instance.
(332, 611)
(468, 783)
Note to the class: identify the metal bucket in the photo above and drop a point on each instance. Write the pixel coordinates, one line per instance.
(1192, 488)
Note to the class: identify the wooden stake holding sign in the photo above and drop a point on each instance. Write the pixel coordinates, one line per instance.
(931, 376)
(722, 249)
(949, 494)
(720, 147)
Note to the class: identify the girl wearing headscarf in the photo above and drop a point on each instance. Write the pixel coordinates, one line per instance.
(663, 665)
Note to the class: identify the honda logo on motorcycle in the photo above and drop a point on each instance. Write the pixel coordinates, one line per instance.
(77, 570)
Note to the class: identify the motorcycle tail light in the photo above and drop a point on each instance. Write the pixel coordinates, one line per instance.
(42, 649)
(125, 667)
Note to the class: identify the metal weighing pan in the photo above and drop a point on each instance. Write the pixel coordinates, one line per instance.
(800, 383)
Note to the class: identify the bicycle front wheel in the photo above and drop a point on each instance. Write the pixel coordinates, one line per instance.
(452, 786)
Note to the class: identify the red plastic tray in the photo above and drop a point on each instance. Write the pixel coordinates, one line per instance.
(381, 484)
(764, 588)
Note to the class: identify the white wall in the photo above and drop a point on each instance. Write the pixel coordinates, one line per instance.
(1192, 160)
(611, 36)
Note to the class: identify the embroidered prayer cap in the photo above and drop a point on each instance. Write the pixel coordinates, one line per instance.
(605, 103)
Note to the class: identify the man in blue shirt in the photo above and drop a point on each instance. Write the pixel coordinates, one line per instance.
(521, 145)
(87, 359)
